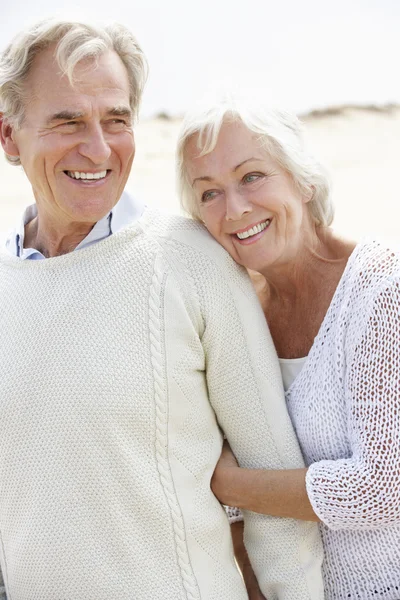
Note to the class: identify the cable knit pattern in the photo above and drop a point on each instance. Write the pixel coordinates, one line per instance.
(156, 328)
(115, 364)
(345, 407)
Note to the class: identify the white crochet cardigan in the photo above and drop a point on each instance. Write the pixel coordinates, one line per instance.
(345, 405)
(108, 442)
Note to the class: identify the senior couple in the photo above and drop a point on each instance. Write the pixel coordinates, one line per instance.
(131, 341)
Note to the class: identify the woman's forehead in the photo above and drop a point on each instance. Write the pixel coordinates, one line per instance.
(235, 145)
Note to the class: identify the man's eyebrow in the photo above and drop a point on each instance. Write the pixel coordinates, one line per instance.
(207, 178)
(65, 115)
(71, 115)
(119, 111)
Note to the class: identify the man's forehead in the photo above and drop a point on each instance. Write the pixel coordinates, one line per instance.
(103, 74)
(101, 90)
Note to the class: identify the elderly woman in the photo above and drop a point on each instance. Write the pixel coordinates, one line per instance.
(333, 308)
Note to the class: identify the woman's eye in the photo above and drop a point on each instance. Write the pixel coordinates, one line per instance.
(250, 177)
(209, 195)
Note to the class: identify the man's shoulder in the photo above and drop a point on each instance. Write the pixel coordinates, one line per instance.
(186, 236)
(187, 246)
(172, 226)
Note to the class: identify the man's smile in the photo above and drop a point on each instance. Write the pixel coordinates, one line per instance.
(88, 177)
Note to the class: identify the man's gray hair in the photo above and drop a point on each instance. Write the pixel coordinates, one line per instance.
(74, 42)
(279, 132)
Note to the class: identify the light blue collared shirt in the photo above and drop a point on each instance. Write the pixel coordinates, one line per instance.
(127, 210)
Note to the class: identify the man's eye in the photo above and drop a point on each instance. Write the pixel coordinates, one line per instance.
(68, 126)
(117, 124)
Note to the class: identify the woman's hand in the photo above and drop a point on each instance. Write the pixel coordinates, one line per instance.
(224, 475)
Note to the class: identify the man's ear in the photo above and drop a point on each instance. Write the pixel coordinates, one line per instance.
(7, 137)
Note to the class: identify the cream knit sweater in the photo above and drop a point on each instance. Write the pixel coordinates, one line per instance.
(109, 357)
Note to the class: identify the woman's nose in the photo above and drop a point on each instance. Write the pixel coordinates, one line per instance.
(237, 205)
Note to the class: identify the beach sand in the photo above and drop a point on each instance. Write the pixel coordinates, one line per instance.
(360, 147)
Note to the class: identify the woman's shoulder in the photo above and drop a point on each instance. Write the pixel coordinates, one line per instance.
(372, 264)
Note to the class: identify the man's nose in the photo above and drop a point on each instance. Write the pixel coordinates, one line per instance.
(237, 205)
(95, 145)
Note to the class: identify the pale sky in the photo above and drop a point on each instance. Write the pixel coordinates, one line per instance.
(298, 54)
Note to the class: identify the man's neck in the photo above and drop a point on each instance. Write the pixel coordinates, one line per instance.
(51, 242)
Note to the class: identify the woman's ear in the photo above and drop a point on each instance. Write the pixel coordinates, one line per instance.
(309, 195)
(7, 137)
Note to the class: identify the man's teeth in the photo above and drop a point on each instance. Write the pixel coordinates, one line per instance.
(253, 230)
(78, 175)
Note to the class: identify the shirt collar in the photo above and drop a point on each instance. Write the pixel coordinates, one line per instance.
(125, 212)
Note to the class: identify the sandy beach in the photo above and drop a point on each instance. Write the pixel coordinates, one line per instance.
(360, 147)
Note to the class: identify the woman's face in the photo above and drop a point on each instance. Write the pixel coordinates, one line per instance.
(247, 201)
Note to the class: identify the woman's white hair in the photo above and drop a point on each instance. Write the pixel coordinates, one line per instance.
(75, 42)
(279, 132)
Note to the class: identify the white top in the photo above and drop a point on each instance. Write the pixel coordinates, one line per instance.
(127, 352)
(345, 408)
(290, 369)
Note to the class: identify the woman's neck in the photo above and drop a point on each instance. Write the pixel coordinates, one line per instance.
(296, 296)
(322, 257)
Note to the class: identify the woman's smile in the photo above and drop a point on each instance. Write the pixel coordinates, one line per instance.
(251, 234)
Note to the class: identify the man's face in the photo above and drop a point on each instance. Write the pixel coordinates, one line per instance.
(76, 143)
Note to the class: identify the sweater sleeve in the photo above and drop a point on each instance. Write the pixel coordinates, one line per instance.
(363, 491)
(245, 389)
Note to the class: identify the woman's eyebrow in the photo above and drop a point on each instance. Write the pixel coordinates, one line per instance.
(252, 158)
(207, 178)
(203, 178)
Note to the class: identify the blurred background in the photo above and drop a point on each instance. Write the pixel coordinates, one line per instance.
(334, 63)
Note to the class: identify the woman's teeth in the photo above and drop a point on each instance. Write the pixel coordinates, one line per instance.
(253, 230)
(79, 175)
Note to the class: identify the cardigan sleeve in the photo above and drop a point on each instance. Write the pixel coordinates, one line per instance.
(2, 588)
(234, 514)
(363, 491)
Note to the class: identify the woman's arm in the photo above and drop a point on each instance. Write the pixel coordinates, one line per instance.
(279, 493)
(361, 491)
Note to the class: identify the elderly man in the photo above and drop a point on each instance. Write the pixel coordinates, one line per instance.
(127, 340)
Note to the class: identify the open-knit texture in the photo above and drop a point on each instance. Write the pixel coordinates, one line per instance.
(345, 408)
(345, 405)
(109, 357)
